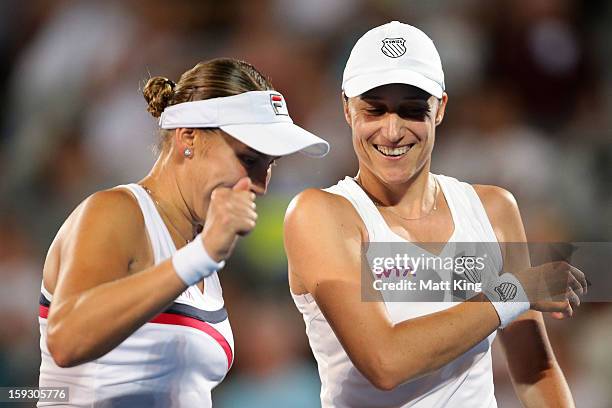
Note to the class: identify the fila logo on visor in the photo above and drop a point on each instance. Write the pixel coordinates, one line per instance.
(393, 47)
(278, 104)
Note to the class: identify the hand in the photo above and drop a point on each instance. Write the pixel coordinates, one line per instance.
(231, 214)
(554, 287)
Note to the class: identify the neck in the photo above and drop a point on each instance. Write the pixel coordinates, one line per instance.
(412, 199)
(162, 182)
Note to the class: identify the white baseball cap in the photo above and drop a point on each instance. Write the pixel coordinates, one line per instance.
(259, 119)
(393, 53)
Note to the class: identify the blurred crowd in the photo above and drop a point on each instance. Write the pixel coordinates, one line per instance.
(530, 104)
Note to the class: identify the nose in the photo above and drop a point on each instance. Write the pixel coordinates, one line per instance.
(393, 127)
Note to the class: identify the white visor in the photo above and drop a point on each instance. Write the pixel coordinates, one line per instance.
(259, 119)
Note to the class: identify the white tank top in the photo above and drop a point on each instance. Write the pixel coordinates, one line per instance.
(174, 360)
(467, 381)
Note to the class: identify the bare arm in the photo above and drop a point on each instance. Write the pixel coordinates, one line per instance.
(536, 375)
(96, 303)
(323, 244)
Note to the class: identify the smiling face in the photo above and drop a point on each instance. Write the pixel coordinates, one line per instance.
(393, 130)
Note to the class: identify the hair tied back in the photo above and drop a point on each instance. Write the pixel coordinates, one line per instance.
(158, 92)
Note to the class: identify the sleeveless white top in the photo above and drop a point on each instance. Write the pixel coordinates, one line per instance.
(467, 381)
(174, 360)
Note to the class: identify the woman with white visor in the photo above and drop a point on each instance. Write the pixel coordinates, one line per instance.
(131, 309)
(377, 351)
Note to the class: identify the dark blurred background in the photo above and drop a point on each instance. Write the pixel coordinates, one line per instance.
(529, 109)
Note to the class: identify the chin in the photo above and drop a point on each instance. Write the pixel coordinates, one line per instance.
(396, 177)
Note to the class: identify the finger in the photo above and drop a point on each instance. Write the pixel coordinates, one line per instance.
(568, 311)
(246, 226)
(588, 283)
(245, 219)
(243, 207)
(557, 315)
(580, 277)
(552, 306)
(560, 308)
(245, 196)
(244, 184)
(248, 198)
(251, 214)
(573, 283)
(573, 298)
(219, 193)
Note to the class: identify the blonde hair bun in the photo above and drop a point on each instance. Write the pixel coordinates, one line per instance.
(158, 93)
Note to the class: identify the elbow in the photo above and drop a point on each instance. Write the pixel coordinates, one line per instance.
(60, 350)
(383, 382)
(382, 373)
(60, 354)
(385, 370)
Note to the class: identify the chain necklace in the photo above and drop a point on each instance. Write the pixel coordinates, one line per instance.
(379, 204)
(165, 214)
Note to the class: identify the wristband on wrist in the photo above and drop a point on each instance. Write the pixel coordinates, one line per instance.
(192, 263)
(507, 297)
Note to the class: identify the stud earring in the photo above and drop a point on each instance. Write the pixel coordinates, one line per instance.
(187, 152)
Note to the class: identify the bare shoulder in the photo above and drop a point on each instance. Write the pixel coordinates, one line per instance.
(318, 210)
(117, 202)
(496, 199)
(115, 208)
(503, 212)
(314, 200)
(97, 241)
(323, 235)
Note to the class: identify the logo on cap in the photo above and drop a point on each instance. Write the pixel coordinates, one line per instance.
(278, 104)
(393, 47)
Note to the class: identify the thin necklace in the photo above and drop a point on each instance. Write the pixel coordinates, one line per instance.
(379, 204)
(164, 212)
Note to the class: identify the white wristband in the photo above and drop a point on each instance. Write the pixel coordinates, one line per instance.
(507, 297)
(192, 263)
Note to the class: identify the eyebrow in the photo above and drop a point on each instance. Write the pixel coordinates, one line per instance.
(404, 103)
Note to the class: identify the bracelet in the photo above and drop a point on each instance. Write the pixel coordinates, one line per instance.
(192, 263)
(507, 297)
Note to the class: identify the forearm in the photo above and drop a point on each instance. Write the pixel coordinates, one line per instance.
(88, 325)
(430, 342)
(549, 390)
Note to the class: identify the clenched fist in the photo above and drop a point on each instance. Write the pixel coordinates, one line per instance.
(231, 214)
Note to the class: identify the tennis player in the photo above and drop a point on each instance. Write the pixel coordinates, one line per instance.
(131, 310)
(408, 354)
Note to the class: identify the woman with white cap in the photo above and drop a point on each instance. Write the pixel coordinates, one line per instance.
(131, 310)
(389, 353)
